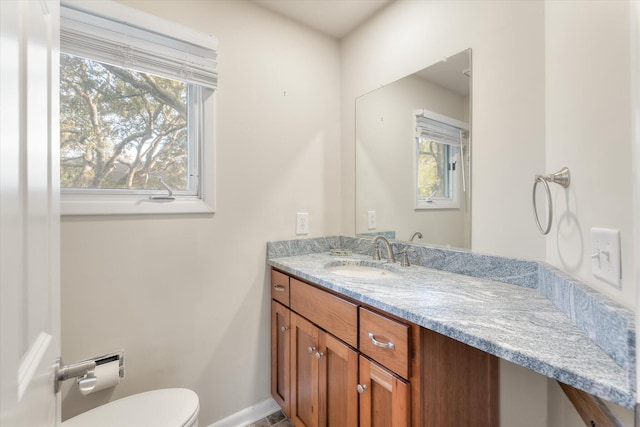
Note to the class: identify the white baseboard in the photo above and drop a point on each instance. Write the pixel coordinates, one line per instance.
(249, 415)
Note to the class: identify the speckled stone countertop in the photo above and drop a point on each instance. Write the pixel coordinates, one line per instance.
(525, 312)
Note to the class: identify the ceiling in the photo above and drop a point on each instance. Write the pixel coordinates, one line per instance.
(335, 18)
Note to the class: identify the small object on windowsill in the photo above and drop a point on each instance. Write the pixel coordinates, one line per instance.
(340, 252)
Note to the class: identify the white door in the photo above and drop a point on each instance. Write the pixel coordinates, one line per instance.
(29, 213)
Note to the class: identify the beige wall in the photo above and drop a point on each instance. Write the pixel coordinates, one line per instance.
(186, 296)
(507, 39)
(588, 121)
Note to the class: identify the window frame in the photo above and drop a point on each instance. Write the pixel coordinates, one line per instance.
(454, 156)
(108, 202)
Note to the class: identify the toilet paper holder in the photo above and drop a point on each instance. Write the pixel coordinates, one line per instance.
(88, 381)
(84, 370)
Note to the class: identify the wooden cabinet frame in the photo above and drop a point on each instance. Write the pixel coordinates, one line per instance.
(280, 356)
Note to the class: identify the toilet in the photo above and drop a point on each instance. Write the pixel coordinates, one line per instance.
(170, 407)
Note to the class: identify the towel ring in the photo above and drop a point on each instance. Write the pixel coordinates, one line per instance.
(562, 177)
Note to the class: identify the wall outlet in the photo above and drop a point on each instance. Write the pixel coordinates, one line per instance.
(371, 220)
(302, 223)
(606, 256)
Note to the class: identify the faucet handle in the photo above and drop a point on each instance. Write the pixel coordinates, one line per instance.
(376, 251)
(405, 257)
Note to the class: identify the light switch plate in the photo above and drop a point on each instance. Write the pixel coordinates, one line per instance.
(302, 223)
(371, 220)
(605, 256)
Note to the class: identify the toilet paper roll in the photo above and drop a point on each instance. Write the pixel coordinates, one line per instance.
(107, 376)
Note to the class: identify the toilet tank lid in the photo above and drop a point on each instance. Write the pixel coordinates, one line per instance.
(170, 407)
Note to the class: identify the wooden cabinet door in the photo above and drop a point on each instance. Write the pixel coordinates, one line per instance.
(384, 398)
(280, 356)
(304, 372)
(338, 382)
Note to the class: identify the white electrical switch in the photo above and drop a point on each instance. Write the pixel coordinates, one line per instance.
(371, 220)
(606, 257)
(302, 223)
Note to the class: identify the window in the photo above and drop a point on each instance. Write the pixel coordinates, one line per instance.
(136, 111)
(439, 161)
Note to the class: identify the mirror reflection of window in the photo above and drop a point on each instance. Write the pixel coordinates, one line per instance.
(434, 167)
(440, 145)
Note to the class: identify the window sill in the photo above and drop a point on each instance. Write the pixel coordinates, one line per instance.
(87, 205)
(437, 204)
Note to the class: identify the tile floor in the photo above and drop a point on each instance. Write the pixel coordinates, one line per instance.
(276, 419)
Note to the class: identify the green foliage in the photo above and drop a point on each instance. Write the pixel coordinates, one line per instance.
(121, 129)
(432, 169)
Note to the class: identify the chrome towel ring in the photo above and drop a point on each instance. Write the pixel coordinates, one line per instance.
(562, 177)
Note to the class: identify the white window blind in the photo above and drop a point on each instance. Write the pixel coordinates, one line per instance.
(121, 44)
(438, 132)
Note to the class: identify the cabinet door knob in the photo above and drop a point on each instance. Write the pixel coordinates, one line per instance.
(319, 354)
(381, 344)
(284, 328)
(311, 350)
(361, 388)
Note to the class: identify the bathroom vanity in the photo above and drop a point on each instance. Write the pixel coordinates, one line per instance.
(419, 345)
(327, 349)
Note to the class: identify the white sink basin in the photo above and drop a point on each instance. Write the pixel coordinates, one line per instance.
(360, 271)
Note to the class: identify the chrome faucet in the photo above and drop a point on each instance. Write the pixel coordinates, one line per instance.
(376, 251)
(416, 234)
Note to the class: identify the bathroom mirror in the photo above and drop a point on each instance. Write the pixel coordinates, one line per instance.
(411, 179)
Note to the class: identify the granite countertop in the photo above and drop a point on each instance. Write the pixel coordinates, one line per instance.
(514, 322)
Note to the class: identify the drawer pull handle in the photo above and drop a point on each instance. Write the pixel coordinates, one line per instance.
(389, 345)
(284, 328)
(278, 288)
(361, 388)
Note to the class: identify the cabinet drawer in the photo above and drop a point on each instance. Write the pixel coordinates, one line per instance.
(385, 341)
(280, 287)
(331, 313)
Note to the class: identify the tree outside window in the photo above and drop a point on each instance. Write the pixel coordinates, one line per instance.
(122, 129)
(433, 173)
